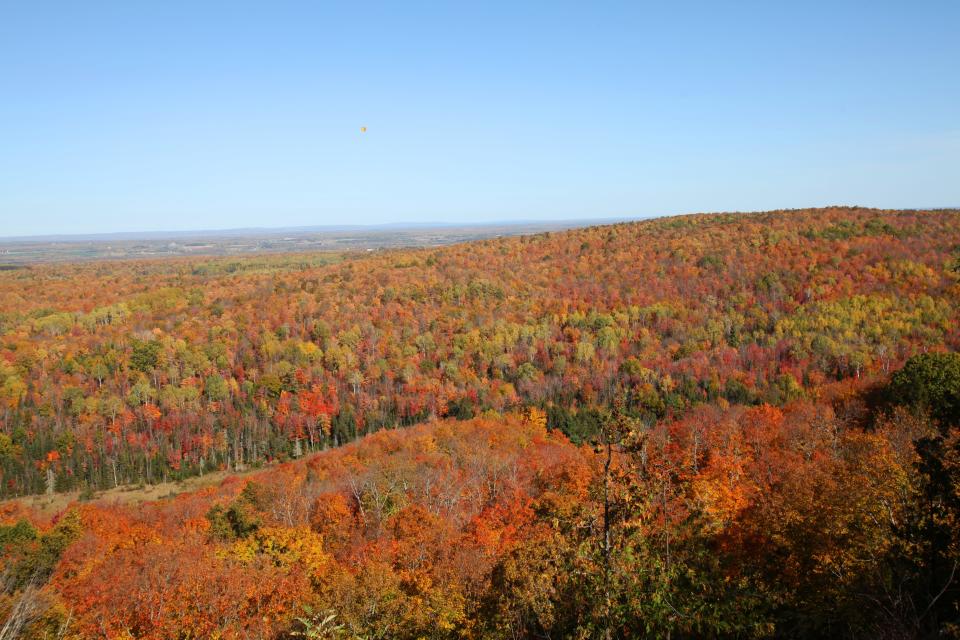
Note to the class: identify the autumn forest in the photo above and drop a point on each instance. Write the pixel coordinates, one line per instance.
(711, 425)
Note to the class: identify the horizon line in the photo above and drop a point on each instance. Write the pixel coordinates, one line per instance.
(145, 234)
(320, 228)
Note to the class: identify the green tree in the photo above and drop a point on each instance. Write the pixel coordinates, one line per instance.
(145, 356)
(929, 382)
(216, 388)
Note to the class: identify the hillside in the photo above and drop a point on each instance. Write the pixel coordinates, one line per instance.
(724, 425)
(142, 372)
(757, 521)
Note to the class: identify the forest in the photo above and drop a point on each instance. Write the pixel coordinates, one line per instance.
(711, 425)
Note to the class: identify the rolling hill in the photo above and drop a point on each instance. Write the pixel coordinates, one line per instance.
(717, 425)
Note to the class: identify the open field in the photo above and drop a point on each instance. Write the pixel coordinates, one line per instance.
(15, 252)
(125, 495)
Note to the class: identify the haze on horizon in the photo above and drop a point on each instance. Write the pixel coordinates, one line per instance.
(123, 118)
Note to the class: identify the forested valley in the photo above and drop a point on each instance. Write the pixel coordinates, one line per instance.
(712, 425)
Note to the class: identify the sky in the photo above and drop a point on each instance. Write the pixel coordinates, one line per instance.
(144, 116)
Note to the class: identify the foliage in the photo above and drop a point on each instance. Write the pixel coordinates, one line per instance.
(930, 382)
(710, 426)
(132, 372)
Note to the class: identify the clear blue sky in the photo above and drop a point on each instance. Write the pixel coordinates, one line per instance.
(119, 116)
